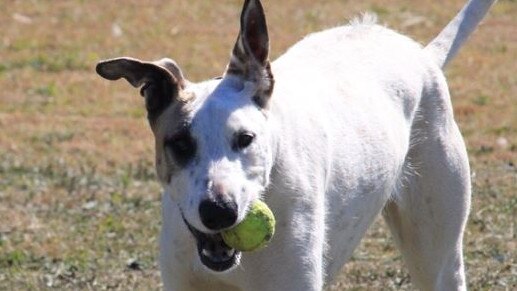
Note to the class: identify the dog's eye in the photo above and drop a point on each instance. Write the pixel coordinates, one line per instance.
(243, 140)
(183, 147)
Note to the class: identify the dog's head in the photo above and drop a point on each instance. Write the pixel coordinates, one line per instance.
(212, 139)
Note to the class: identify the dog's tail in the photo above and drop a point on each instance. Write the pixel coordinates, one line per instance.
(445, 46)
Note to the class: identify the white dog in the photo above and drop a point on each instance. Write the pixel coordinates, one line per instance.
(350, 122)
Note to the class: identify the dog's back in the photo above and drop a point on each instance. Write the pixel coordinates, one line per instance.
(377, 123)
(353, 94)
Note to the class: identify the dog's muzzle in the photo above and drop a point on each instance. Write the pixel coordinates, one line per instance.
(213, 251)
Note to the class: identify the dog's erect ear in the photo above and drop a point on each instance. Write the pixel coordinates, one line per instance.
(161, 80)
(253, 38)
(250, 56)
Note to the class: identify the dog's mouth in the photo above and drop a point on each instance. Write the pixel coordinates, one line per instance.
(213, 251)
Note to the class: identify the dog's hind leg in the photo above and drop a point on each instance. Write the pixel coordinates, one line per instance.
(428, 213)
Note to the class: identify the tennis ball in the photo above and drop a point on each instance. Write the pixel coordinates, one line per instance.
(254, 232)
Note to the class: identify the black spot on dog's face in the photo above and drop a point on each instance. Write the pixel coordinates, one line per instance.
(182, 146)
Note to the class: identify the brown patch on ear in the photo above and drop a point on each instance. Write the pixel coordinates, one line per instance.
(170, 122)
(185, 97)
(265, 88)
(250, 55)
(160, 86)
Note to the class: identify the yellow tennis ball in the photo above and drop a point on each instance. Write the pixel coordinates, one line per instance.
(254, 232)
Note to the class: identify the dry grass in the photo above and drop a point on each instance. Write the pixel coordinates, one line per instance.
(79, 205)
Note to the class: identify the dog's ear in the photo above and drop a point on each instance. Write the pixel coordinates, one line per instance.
(250, 56)
(174, 69)
(161, 80)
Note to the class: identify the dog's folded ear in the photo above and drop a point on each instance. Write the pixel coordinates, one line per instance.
(250, 56)
(161, 80)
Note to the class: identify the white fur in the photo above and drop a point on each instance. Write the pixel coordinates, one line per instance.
(360, 120)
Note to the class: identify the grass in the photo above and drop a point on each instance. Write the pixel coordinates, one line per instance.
(79, 201)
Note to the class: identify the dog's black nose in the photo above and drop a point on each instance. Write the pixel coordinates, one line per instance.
(217, 214)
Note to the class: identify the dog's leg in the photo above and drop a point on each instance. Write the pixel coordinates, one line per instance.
(176, 250)
(428, 214)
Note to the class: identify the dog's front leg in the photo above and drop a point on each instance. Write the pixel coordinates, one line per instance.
(294, 259)
(176, 249)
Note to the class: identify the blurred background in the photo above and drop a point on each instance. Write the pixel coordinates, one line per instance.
(79, 201)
